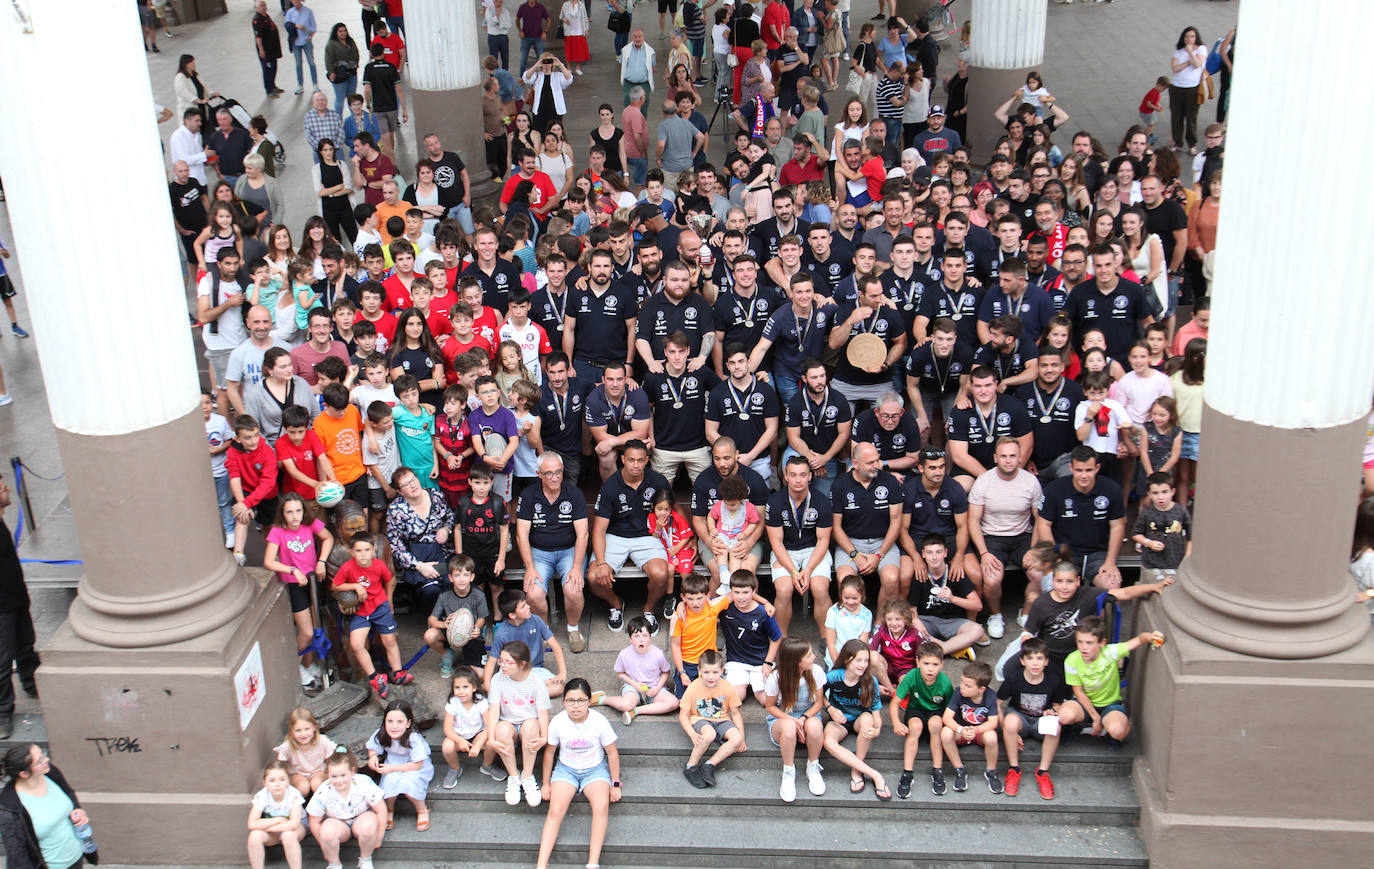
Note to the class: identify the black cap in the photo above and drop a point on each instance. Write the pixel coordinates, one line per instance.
(922, 176)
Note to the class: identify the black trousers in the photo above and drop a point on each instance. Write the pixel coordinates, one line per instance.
(269, 74)
(16, 647)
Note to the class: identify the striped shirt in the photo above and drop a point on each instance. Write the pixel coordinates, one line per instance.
(888, 90)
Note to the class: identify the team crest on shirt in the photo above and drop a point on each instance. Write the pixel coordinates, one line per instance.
(565, 508)
(689, 314)
(831, 412)
(1100, 502)
(538, 508)
(899, 440)
(611, 303)
(880, 492)
(689, 383)
(756, 400)
(811, 515)
(500, 279)
(956, 368)
(1004, 419)
(1120, 303)
(944, 503)
(849, 498)
(629, 410)
(1062, 404)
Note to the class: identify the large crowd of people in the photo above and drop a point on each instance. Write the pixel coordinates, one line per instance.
(854, 355)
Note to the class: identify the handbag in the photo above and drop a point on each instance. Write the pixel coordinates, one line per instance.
(732, 60)
(618, 22)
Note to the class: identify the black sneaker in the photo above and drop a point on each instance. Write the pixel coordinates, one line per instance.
(904, 785)
(937, 782)
(1114, 744)
(669, 605)
(960, 779)
(693, 775)
(708, 774)
(994, 780)
(653, 623)
(616, 620)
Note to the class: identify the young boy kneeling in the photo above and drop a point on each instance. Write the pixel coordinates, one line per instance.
(710, 711)
(1094, 674)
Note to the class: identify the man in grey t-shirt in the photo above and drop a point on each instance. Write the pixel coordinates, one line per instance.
(678, 139)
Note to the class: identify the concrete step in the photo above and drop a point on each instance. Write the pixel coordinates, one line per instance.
(656, 784)
(662, 737)
(645, 836)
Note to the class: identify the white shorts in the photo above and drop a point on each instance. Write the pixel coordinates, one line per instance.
(745, 674)
(868, 546)
(800, 557)
(639, 550)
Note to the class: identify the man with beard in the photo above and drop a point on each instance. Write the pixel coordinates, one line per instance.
(676, 309)
(600, 319)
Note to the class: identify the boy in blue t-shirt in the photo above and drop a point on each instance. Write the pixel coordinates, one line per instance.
(751, 638)
(415, 431)
(520, 623)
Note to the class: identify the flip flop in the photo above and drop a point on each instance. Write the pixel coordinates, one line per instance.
(882, 793)
(390, 823)
(422, 820)
(856, 785)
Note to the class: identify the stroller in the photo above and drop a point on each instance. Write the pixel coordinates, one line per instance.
(242, 119)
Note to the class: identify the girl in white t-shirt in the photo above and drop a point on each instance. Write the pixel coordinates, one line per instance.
(1137, 393)
(519, 711)
(275, 818)
(848, 619)
(794, 705)
(587, 761)
(464, 724)
(348, 806)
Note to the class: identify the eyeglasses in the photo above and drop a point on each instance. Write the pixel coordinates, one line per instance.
(574, 701)
(550, 473)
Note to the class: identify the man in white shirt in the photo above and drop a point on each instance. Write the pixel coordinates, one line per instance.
(188, 146)
(219, 309)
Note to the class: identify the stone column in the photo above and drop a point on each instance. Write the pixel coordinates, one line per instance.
(139, 683)
(1269, 657)
(1007, 41)
(445, 79)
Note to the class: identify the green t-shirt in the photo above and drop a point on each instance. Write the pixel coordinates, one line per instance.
(415, 442)
(928, 698)
(1101, 680)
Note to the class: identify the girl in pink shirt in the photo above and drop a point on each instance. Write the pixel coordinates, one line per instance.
(291, 553)
(1137, 392)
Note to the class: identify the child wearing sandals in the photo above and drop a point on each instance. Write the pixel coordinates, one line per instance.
(971, 719)
(276, 818)
(643, 670)
(400, 755)
(304, 751)
(919, 705)
(854, 705)
(347, 806)
(794, 703)
(464, 723)
(519, 711)
(587, 761)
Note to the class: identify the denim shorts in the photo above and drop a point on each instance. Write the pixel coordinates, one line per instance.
(380, 620)
(553, 562)
(580, 778)
(1188, 449)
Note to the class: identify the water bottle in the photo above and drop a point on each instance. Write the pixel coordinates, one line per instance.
(83, 832)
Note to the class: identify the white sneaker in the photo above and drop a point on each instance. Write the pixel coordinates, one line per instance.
(813, 778)
(512, 791)
(997, 626)
(306, 676)
(5, 399)
(788, 790)
(531, 788)
(229, 540)
(365, 863)
(1021, 619)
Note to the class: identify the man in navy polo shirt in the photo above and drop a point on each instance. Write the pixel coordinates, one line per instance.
(744, 409)
(973, 431)
(1050, 401)
(615, 416)
(867, 505)
(818, 422)
(678, 395)
(934, 504)
(551, 534)
(871, 314)
(562, 408)
(891, 429)
(797, 331)
(620, 533)
(600, 319)
(676, 309)
(1109, 303)
(1085, 515)
(798, 520)
(705, 493)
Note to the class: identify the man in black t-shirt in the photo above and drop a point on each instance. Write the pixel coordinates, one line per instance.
(551, 534)
(451, 177)
(873, 314)
(973, 431)
(936, 374)
(562, 404)
(188, 208)
(706, 491)
(798, 520)
(891, 429)
(867, 505)
(1165, 218)
(946, 604)
(1115, 306)
(1050, 401)
(385, 97)
(620, 533)
(817, 421)
(1085, 515)
(678, 396)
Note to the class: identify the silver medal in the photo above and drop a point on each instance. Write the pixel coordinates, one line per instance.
(1047, 418)
(744, 415)
(677, 405)
(956, 316)
(988, 439)
(908, 307)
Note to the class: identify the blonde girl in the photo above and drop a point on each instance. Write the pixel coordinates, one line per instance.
(304, 751)
(276, 818)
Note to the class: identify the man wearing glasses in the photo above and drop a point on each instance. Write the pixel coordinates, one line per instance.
(551, 533)
(893, 431)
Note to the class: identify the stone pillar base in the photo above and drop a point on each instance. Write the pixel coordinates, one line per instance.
(456, 116)
(988, 89)
(1258, 759)
(151, 738)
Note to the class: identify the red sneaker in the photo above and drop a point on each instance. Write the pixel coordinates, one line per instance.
(1042, 779)
(1011, 782)
(378, 682)
(402, 677)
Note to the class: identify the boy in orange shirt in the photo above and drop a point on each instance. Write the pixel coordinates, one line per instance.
(694, 627)
(339, 428)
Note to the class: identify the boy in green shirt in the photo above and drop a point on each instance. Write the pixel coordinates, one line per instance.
(415, 431)
(1093, 672)
(919, 704)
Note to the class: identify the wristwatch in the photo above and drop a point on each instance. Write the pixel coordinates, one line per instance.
(616, 783)
(853, 553)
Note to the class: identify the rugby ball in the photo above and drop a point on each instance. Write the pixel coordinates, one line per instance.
(460, 628)
(329, 494)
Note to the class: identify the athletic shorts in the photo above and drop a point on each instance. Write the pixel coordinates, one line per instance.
(721, 728)
(1030, 727)
(1118, 706)
(380, 620)
(800, 557)
(1009, 550)
(943, 629)
(912, 712)
(737, 673)
(300, 596)
(639, 550)
(6, 287)
(869, 546)
(376, 500)
(667, 6)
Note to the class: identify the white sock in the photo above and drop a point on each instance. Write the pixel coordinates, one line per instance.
(574, 630)
(789, 770)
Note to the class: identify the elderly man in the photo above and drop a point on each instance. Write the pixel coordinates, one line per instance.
(551, 533)
(798, 520)
(889, 427)
(232, 144)
(187, 145)
(636, 66)
(753, 117)
(679, 141)
(620, 533)
(322, 123)
(867, 506)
